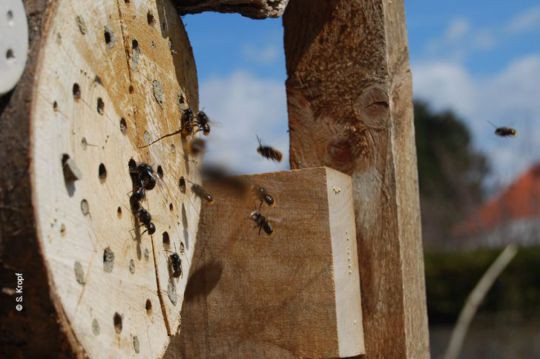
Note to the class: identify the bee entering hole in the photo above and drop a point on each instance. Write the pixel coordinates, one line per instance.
(123, 126)
(102, 172)
(119, 212)
(166, 240)
(76, 92)
(160, 172)
(117, 320)
(171, 207)
(182, 184)
(148, 307)
(100, 105)
(150, 18)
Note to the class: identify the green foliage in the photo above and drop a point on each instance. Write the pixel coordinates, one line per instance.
(450, 277)
(451, 172)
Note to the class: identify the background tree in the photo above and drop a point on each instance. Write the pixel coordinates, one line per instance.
(451, 173)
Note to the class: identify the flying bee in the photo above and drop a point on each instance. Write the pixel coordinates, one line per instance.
(262, 222)
(263, 196)
(197, 146)
(201, 193)
(203, 123)
(504, 131)
(176, 264)
(187, 127)
(269, 152)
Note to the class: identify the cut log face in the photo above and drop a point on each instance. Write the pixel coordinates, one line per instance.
(294, 293)
(112, 77)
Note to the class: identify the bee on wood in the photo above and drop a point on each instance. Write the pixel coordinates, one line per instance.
(262, 222)
(146, 218)
(135, 199)
(201, 193)
(203, 123)
(504, 131)
(142, 175)
(176, 265)
(269, 152)
(263, 196)
(187, 127)
(197, 146)
(146, 176)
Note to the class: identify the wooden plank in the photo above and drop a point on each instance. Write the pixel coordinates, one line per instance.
(349, 100)
(93, 277)
(292, 294)
(257, 9)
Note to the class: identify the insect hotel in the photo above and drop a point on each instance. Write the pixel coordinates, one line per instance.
(111, 245)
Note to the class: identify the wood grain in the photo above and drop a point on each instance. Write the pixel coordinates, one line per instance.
(257, 9)
(95, 283)
(293, 294)
(350, 108)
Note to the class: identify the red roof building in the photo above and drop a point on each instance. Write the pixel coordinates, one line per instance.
(514, 216)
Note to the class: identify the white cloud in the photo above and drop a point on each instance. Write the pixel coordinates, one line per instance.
(243, 106)
(457, 29)
(525, 21)
(509, 98)
(261, 55)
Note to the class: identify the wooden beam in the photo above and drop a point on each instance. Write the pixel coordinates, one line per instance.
(350, 108)
(256, 9)
(292, 294)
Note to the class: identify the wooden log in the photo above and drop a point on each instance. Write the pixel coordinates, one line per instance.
(103, 79)
(291, 294)
(256, 9)
(350, 108)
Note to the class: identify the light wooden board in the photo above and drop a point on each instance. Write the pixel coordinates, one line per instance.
(350, 108)
(89, 45)
(293, 294)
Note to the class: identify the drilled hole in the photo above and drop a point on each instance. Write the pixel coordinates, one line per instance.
(134, 44)
(117, 320)
(102, 172)
(166, 239)
(119, 212)
(55, 106)
(100, 106)
(171, 207)
(160, 171)
(76, 91)
(107, 36)
(182, 184)
(9, 16)
(148, 307)
(85, 207)
(131, 89)
(150, 18)
(123, 126)
(10, 55)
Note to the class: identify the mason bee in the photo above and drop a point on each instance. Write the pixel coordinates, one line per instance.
(269, 152)
(263, 196)
(203, 123)
(201, 193)
(504, 131)
(262, 222)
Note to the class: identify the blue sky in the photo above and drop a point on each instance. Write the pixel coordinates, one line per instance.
(479, 58)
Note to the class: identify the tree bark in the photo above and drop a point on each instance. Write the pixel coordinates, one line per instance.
(256, 9)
